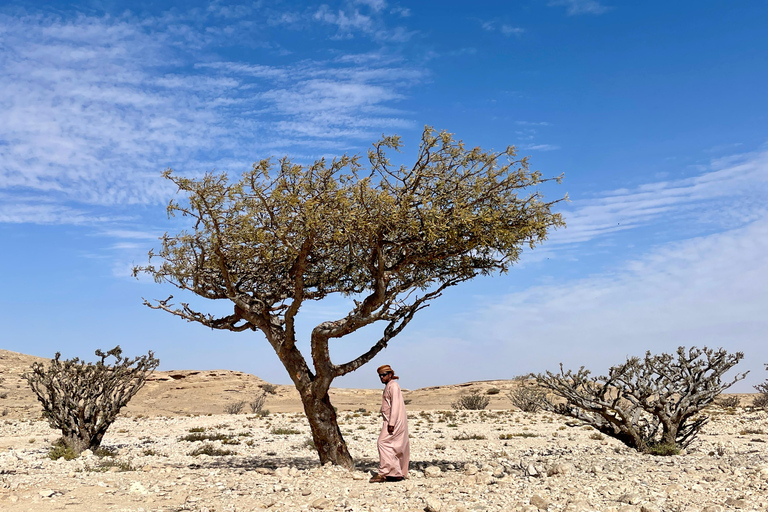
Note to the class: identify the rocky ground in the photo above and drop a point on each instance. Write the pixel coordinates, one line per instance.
(460, 461)
(174, 450)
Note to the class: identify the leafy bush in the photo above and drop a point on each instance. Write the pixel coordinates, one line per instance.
(527, 398)
(648, 404)
(473, 401)
(280, 431)
(83, 399)
(761, 401)
(60, 450)
(201, 436)
(210, 450)
(269, 388)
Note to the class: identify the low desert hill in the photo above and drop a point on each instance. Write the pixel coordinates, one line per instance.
(188, 392)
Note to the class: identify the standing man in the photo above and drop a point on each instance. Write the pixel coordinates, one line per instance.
(394, 447)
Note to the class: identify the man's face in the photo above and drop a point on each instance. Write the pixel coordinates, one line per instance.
(385, 377)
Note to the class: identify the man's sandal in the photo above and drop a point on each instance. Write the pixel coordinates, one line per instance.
(377, 479)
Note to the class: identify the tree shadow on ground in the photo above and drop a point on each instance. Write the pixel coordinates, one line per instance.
(307, 463)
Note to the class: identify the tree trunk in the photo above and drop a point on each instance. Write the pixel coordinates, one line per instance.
(325, 430)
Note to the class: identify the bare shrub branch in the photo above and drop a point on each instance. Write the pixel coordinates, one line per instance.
(473, 402)
(257, 404)
(234, 407)
(83, 399)
(761, 401)
(646, 404)
(527, 398)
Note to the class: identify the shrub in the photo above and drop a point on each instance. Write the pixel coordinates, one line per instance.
(728, 402)
(279, 431)
(211, 450)
(83, 399)
(200, 436)
(761, 401)
(493, 391)
(527, 398)
(473, 401)
(257, 404)
(648, 404)
(469, 437)
(59, 449)
(235, 407)
(269, 388)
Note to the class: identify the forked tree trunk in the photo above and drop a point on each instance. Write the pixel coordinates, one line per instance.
(325, 431)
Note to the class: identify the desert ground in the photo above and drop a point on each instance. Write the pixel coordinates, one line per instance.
(175, 449)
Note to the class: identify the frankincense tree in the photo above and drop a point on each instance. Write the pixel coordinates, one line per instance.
(391, 239)
(651, 404)
(761, 400)
(83, 399)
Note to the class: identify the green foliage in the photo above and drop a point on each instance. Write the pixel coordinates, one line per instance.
(268, 388)
(83, 399)
(474, 401)
(60, 450)
(211, 450)
(663, 449)
(201, 436)
(280, 431)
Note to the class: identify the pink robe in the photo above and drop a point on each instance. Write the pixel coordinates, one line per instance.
(394, 449)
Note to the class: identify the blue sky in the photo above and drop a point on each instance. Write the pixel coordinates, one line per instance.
(655, 112)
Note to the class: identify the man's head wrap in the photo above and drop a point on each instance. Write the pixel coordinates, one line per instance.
(386, 369)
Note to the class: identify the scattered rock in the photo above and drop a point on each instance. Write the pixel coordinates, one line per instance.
(137, 488)
(560, 469)
(433, 472)
(322, 503)
(736, 503)
(539, 502)
(432, 504)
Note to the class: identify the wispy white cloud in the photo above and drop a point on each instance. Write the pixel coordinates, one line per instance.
(577, 7)
(710, 290)
(730, 193)
(540, 147)
(370, 19)
(505, 28)
(95, 107)
(376, 5)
